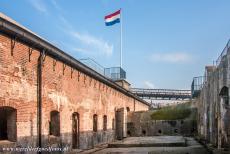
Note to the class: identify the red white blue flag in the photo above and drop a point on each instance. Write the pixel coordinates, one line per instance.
(113, 18)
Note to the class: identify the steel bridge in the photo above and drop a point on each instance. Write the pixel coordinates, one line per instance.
(162, 94)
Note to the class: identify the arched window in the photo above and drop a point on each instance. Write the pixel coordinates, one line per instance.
(104, 122)
(95, 123)
(128, 109)
(8, 129)
(224, 94)
(54, 123)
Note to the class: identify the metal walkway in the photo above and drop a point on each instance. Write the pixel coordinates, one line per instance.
(162, 94)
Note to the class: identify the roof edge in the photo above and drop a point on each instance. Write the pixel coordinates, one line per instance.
(14, 29)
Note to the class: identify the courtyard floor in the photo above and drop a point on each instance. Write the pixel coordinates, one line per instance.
(153, 145)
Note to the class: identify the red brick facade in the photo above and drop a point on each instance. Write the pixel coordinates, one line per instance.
(64, 89)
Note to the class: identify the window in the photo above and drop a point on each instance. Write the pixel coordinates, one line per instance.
(8, 129)
(95, 123)
(128, 109)
(104, 122)
(54, 123)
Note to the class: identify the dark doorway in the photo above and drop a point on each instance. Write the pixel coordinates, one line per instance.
(224, 95)
(3, 125)
(95, 123)
(104, 122)
(8, 129)
(120, 123)
(54, 123)
(75, 127)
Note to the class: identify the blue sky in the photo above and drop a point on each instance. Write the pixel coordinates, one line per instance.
(165, 42)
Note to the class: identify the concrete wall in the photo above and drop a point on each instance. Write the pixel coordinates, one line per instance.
(141, 124)
(63, 90)
(213, 108)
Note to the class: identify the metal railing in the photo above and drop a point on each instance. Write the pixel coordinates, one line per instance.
(223, 53)
(93, 64)
(161, 93)
(197, 85)
(115, 73)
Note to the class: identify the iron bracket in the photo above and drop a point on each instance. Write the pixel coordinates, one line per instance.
(54, 64)
(84, 78)
(13, 42)
(95, 83)
(72, 70)
(78, 77)
(63, 70)
(30, 52)
(43, 56)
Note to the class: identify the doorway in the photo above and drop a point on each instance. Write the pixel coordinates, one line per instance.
(75, 129)
(8, 128)
(121, 124)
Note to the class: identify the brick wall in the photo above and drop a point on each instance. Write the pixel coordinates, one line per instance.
(64, 90)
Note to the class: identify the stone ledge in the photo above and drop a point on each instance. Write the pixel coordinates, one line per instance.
(154, 141)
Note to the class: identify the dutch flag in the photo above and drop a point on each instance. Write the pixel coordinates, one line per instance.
(113, 18)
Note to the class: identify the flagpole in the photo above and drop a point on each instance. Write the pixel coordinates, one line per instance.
(121, 40)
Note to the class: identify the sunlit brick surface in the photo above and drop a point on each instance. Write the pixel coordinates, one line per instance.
(61, 91)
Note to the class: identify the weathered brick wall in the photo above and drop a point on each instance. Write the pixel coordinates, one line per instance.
(207, 105)
(63, 90)
(18, 88)
(213, 109)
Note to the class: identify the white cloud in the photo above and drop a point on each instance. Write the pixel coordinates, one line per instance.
(176, 57)
(96, 44)
(81, 50)
(90, 44)
(66, 24)
(149, 85)
(39, 5)
(55, 4)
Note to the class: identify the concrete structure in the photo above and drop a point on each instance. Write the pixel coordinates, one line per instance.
(151, 141)
(141, 124)
(48, 98)
(155, 145)
(213, 103)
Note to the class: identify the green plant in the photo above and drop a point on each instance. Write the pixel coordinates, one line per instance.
(180, 111)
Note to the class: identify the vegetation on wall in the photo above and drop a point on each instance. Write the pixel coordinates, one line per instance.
(180, 111)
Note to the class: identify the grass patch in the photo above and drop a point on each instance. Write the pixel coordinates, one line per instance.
(180, 111)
